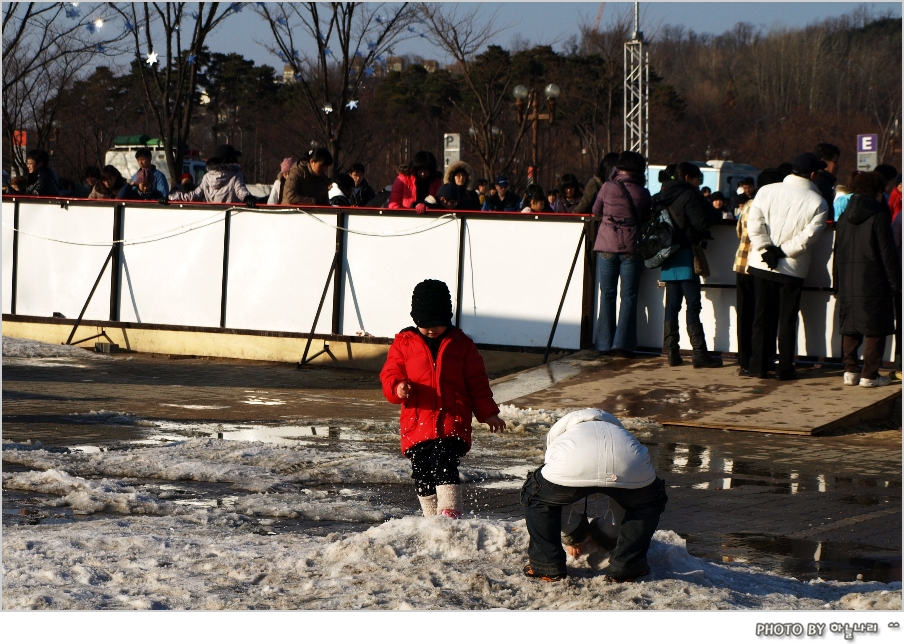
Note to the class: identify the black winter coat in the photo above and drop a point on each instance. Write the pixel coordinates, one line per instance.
(866, 270)
(692, 213)
(43, 183)
(363, 196)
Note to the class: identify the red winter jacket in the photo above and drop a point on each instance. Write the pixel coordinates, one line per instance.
(404, 191)
(443, 395)
(894, 202)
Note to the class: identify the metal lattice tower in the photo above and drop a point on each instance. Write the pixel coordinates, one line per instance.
(637, 91)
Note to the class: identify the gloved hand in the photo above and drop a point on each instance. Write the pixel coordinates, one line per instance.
(163, 201)
(421, 208)
(250, 201)
(771, 256)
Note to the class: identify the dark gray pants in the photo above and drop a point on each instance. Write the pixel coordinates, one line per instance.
(543, 502)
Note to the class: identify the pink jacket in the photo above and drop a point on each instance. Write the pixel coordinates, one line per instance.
(404, 191)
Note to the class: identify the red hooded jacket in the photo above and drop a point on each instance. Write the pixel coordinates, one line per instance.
(404, 191)
(443, 395)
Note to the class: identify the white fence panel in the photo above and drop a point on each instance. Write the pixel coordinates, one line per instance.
(381, 271)
(55, 276)
(7, 253)
(519, 272)
(177, 280)
(278, 265)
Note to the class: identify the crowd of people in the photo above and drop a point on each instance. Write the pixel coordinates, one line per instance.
(779, 216)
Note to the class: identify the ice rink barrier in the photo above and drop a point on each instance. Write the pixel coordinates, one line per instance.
(269, 269)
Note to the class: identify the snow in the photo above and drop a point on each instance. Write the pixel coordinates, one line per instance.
(167, 547)
(21, 348)
(214, 559)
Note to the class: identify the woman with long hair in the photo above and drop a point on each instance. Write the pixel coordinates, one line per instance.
(623, 204)
(416, 181)
(692, 215)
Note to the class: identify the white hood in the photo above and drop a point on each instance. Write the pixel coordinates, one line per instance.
(591, 448)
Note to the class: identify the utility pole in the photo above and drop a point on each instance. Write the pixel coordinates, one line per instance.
(637, 91)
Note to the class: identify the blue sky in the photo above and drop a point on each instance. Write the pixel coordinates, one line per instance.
(552, 23)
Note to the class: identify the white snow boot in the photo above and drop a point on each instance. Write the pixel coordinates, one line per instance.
(428, 505)
(448, 501)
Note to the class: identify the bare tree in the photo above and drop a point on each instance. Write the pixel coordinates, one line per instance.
(350, 40)
(462, 34)
(170, 85)
(45, 47)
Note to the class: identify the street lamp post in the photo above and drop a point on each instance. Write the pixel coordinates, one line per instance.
(520, 92)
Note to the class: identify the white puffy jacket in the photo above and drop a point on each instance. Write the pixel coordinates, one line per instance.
(591, 448)
(791, 215)
(223, 183)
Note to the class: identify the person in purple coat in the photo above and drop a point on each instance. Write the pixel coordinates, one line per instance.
(624, 206)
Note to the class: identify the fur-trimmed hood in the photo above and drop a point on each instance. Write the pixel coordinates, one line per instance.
(455, 167)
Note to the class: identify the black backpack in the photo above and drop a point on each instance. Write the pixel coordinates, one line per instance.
(658, 239)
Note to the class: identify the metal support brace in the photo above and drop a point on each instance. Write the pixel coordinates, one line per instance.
(91, 294)
(102, 334)
(555, 322)
(326, 287)
(14, 289)
(225, 283)
(460, 287)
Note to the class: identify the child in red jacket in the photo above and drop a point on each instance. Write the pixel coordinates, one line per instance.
(435, 372)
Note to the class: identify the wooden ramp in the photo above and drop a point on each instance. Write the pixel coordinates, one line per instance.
(713, 398)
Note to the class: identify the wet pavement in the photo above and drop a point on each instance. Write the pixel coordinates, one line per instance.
(805, 506)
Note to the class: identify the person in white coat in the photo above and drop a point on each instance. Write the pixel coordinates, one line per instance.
(222, 183)
(784, 223)
(589, 452)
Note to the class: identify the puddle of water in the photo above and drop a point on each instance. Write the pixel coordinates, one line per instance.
(534, 380)
(685, 458)
(87, 449)
(805, 559)
(45, 362)
(291, 435)
(226, 501)
(195, 406)
(518, 474)
(263, 401)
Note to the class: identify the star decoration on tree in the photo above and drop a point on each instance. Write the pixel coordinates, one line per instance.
(368, 71)
(129, 26)
(352, 105)
(152, 59)
(327, 52)
(192, 59)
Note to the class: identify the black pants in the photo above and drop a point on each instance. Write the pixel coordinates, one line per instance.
(436, 463)
(872, 354)
(746, 307)
(687, 290)
(543, 502)
(777, 307)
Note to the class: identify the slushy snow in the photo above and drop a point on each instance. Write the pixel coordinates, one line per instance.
(214, 560)
(164, 548)
(22, 348)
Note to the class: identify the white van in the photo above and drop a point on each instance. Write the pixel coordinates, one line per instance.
(719, 176)
(122, 157)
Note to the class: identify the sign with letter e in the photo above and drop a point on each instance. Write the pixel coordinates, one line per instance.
(867, 151)
(867, 143)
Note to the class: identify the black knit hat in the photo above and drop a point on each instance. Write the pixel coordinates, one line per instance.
(431, 304)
